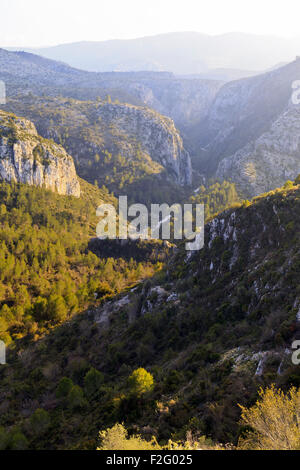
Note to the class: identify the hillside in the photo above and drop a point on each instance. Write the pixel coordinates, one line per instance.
(185, 100)
(242, 110)
(250, 133)
(124, 147)
(268, 161)
(24, 72)
(206, 354)
(47, 272)
(228, 129)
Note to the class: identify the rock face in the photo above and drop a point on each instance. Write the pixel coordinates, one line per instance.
(242, 112)
(25, 157)
(186, 101)
(268, 161)
(90, 128)
(156, 135)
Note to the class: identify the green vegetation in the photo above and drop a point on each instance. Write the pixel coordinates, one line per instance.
(47, 274)
(92, 382)
(271, 424)
(179, 352)
(140, 382)
(216, 197)
(116, 438)
(104, 153)
(155, 347)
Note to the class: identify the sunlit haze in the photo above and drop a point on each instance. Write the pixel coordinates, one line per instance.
(34, 23)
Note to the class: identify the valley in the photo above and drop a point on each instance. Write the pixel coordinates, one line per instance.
(102, 332)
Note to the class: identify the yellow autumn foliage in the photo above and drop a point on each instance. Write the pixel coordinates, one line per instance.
(116, 438)
(274, 420)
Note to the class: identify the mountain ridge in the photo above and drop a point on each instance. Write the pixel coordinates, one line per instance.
(242, 113)
(247, 51)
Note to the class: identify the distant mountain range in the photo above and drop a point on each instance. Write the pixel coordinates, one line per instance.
(245, 131)
(185, 100)
(236, 54)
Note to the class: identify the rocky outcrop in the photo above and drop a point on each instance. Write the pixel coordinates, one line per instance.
(268, 161)
(90, 128)
(25, 157)
(186, 101)
(155, 134)
(242, 111)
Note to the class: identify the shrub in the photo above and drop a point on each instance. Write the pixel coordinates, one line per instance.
(64, 387)
(39, 421)
(140, 382)
(76, 398)
(92, 382)
(274, 421)
(116, 438)
(18, 441)
(3, 438)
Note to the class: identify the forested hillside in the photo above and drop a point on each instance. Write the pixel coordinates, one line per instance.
(47, 272)
(210, 329)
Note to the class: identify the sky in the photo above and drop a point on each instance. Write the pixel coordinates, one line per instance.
(36, 23)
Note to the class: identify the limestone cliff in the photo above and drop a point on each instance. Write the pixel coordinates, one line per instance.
(147, 141)
(156, 135)
(242, 111)
(187, 101)
(25, 157)
(268, 161)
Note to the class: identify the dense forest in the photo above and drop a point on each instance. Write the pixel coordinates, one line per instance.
(47, 273)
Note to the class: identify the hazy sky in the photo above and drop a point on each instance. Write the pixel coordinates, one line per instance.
(40, 22)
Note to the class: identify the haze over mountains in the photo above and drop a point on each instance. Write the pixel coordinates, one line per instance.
(216, 120)
(180, 53)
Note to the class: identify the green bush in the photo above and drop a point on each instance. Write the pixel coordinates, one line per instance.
(140, 382)
(76, 398)
(39, 421)
(92, 381)
(64, 387)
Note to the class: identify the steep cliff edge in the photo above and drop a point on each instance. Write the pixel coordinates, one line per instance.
(112, 143)
(25, 157)
(155, 134)
(268, 161)
(242, 111)
(185, 100)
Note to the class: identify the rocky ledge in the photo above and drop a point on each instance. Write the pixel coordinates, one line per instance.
(25, 157)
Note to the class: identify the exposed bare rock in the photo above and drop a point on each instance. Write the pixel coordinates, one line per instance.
(243, 111)
(138, 134)
(156, 134)
(269, 161)
(25, 157)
